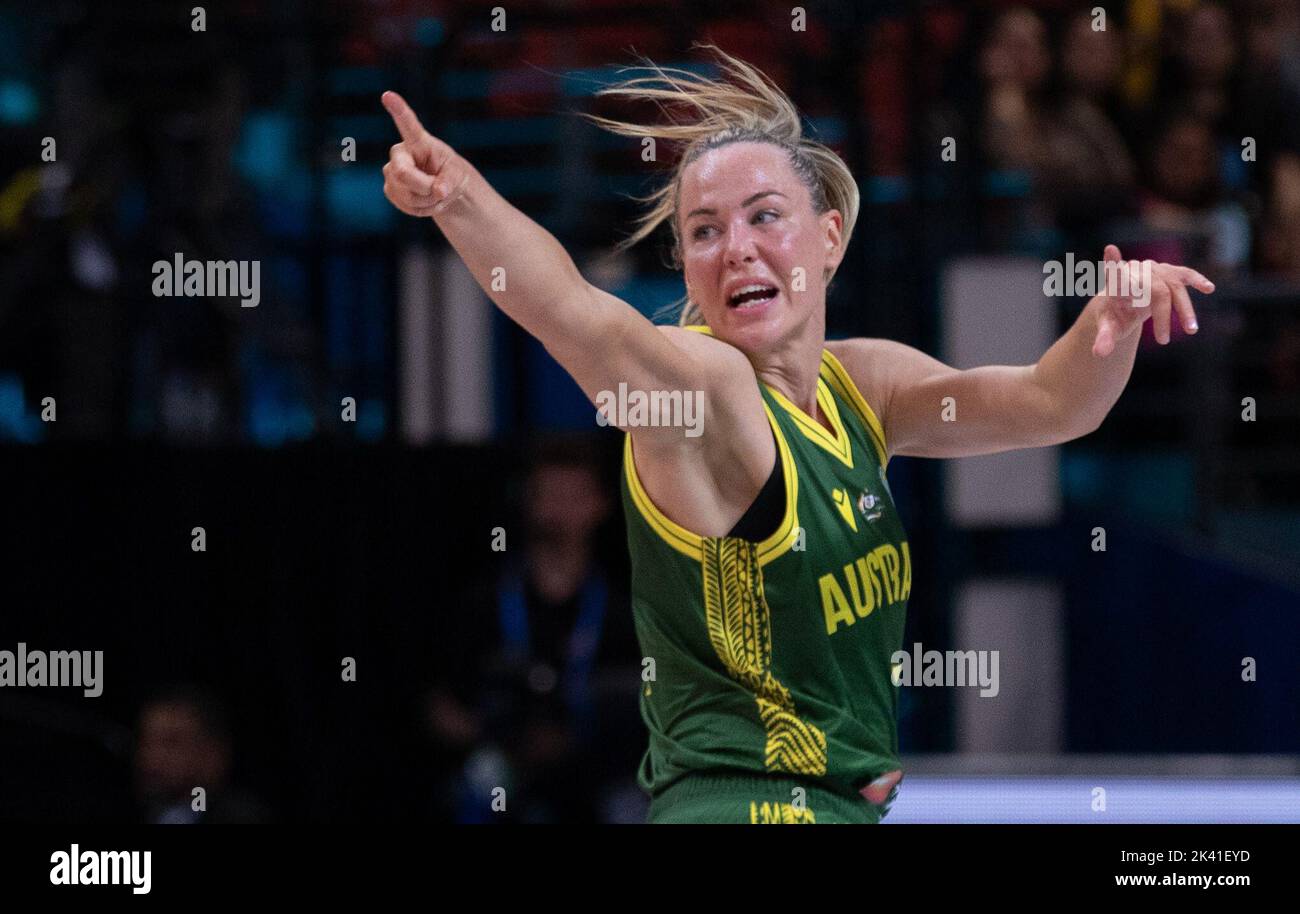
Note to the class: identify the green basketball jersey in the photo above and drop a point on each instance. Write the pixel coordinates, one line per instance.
(775, 656)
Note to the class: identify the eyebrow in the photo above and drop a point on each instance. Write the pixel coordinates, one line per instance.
(703, 211)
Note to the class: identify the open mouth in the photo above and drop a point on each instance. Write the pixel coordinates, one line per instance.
(750, 296)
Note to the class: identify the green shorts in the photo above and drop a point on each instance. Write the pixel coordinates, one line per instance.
(728, 799)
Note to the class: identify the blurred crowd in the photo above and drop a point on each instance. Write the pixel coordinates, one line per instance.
(1173, 125)
(527, 691)
(537, 674)
(1177, 126)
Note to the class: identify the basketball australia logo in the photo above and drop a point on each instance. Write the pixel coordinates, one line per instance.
(869, 505)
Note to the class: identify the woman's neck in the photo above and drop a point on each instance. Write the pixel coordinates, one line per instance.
(793, 367)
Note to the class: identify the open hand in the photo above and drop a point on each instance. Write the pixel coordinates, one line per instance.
(1154, 290)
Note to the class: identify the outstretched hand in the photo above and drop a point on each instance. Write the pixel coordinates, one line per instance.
(423, 175)
(1150, 289)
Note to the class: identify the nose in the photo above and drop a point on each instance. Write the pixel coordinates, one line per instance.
(740, 245)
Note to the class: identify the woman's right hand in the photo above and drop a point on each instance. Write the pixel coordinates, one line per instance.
(423, 175)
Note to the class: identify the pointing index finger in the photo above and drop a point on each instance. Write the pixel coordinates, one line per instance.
(408, 125)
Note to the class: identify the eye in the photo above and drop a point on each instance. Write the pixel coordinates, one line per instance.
(697, 233)
(767, 212)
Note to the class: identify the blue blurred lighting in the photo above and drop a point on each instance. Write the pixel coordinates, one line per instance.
(265, 148)
(429, 32)
(18, 102)
(16, 424)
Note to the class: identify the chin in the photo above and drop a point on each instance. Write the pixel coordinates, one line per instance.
(754, 328)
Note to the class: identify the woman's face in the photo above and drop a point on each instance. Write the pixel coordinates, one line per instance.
(747, 223)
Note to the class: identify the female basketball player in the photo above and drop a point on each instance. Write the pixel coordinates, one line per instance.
(770, 573)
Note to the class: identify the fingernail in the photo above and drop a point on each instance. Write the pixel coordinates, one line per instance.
(1192, 327)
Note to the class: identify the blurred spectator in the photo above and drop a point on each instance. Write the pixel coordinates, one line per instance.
(537, 693)
(1088, 174)
(1003, 118)
(1272, 40)
(1279, 242)
(1184, 193)
(183, 743)
(1269, 100)
(1014, 65)
(1201, 68)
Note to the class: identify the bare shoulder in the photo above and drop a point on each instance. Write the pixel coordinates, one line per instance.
(881, 368)
(712, 353)
(868, 353)
(873, 365)
(882, 364)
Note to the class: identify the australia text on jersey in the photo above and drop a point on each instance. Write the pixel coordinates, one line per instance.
(879, 578)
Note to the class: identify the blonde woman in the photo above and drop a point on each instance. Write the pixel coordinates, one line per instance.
(770, 572)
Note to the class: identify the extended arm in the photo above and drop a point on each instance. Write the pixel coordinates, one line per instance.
(600, 340)
(993, 408)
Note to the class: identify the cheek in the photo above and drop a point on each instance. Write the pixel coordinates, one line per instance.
(699, 264)
(796, 248)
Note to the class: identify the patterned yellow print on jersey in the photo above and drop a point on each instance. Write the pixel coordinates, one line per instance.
(842, 502)
(779, 814)
(739, 624)
(879, 578)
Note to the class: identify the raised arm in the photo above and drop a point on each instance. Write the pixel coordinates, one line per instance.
(993, 408)
(600, 340)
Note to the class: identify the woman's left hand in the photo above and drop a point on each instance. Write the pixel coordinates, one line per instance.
(1154, 290)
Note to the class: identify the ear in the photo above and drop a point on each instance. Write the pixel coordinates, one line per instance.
(832, 228)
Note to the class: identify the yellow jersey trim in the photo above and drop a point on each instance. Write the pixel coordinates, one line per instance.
(839, 378)
(674, 534)
(780, 542)
(836, 444)
(691, 544)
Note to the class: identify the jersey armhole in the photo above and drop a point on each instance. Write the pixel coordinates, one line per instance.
(691, 544)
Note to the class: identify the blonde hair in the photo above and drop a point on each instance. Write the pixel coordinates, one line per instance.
(746, 106)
